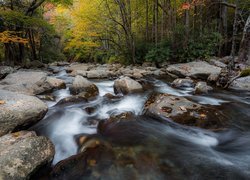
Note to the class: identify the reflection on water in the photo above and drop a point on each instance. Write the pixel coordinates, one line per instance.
(188, 149)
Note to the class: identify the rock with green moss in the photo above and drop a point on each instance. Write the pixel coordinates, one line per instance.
(245, 72)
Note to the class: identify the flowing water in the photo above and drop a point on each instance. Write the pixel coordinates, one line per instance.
(184, 152)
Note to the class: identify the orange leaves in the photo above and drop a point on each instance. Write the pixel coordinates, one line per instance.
(190, 5)
(186, 6)
(12, 37)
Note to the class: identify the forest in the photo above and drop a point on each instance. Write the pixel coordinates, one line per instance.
(124, 89)
(125, 31)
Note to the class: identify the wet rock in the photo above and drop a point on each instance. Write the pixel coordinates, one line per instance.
(126, 85)
(199, 69)
(202, 87)
(5, 70)
(56, 83)
(81, 84)
(183, 111)
(47, 97)
(27, 82)
(116, 117)
(90, 110)
(71, 100)
(18, 111)
(242, 83)
(111, 96)
(22, 153)
(183, 83)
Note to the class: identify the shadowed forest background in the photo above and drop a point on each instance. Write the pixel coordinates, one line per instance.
(126, 31)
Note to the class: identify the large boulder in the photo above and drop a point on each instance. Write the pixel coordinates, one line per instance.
(5, 70)
(56, 83)
(184, 111)
(126, 85)
(18, 111)
(27, 82)
(31, 82)
(81, 84)
(242, 83)
(199, 69)
(22, 153)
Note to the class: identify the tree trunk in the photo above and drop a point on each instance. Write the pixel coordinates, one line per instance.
(187, 26)
(235, 25)
(244, 53)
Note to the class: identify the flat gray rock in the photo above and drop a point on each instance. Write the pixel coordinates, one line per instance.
(199, 69)
(22, 153)
(242, 83)
(19, 110)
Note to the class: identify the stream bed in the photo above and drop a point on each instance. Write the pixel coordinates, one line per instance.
(148, 148)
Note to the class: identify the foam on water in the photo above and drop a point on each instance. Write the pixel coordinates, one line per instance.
(165, 88)
(63, 131)
(208, 100)
(133, 103)
(105, 87)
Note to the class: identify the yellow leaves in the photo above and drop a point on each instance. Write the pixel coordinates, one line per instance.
(92, 162)
(12, 37)
(2, 102)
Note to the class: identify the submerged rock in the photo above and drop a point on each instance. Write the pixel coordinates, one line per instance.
(71, 100)
(22, 153)
(199, 69)
(202, 87)
(19, 110)
(242, 83)
(126, 85)
(183, 111)
(81, 84)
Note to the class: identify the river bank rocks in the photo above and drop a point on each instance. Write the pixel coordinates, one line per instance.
(184, 111)
(5, 70)
(22, 153)
(18, 111)
(126, 85)
(242, 83)
(30, 82)
(197, 70)
(98, 71)
(81, 84)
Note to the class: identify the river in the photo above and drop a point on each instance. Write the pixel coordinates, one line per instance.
(183, 152)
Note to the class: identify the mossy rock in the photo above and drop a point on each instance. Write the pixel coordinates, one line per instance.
(245, 72)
